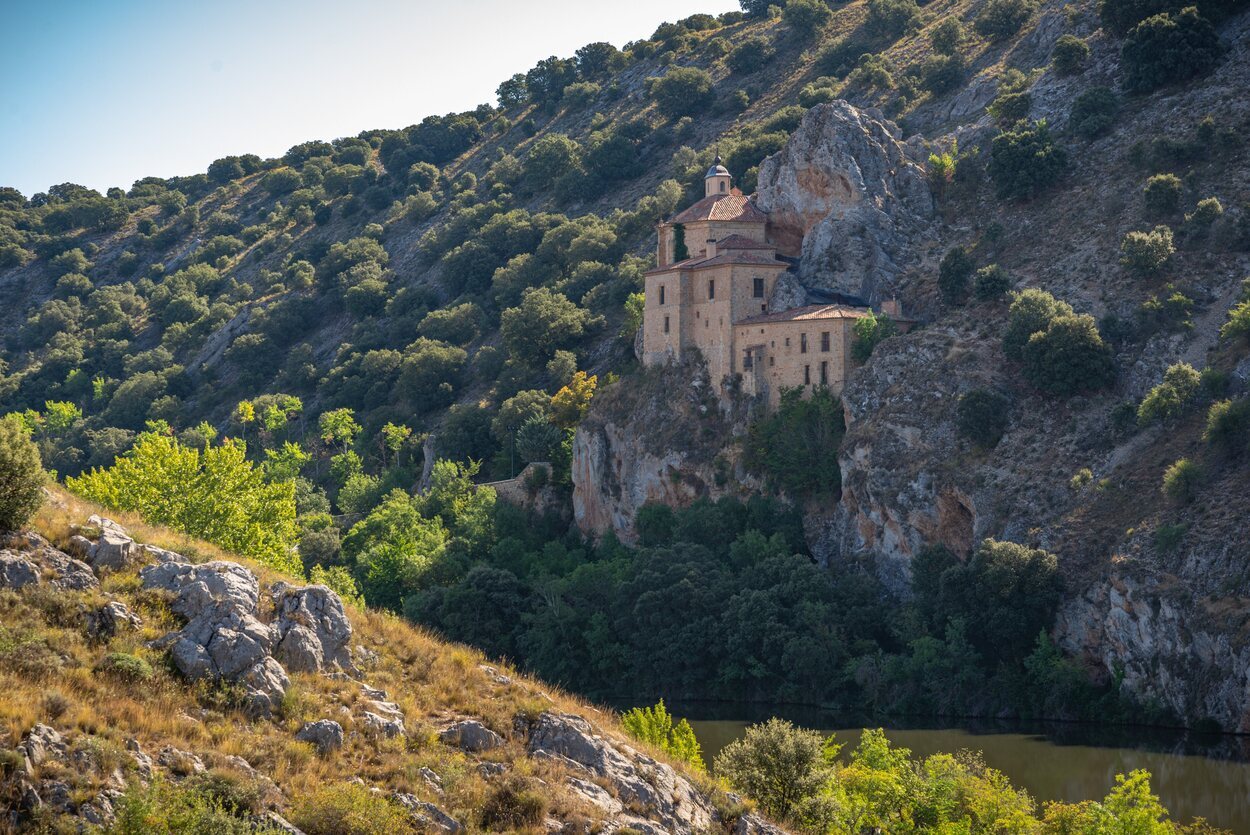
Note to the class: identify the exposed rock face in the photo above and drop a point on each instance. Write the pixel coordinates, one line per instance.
(312, 629)
(110, 619)
(665, 440)
(674, 804)
(16, 571)
(844, 194)
(225, 639)
(27, 559)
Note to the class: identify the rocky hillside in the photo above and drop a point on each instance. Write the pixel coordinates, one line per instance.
(136, 675)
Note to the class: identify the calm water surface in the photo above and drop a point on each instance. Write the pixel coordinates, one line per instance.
(1194, 775)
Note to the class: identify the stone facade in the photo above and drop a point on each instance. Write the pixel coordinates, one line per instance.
(710, 294)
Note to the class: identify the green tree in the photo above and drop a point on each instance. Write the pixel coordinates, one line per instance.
(806, 17)
(1025, 161)
(1172, 397)
(215, 494)
(777, 764)
(1069, 54)
(797, 445)
(1068, 357)
(1169, 48)
(682, 91)
(544, 322)
(991, 282)
(982, 416)
(1031, 311)
(21, 474)
(954, 273)
(1181, 480)
(394, 547)
(888, 19)
(1093, 112)
(339, 426)
(1146, 253)
(999, 19)
(654, 725)
(869, 332)
(750, 54)
(1162, 194)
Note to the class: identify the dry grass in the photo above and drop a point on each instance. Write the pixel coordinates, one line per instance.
(51, 680)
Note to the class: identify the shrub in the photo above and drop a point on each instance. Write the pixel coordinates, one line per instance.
(1024, 161)
(981, 416)
(683, 91)
(1147, 252)
(513, 805)
(1181, 480)
(999, 19)
(942, 73)
(162, 808)
(1031, 311)
(872, 71)
(1238, 324)
(1010, 107)
(954, 273)
(348, 809)
(1069, 55)
(869, 332)
(776, 764)
(1208, 211)
(888, 19)
(750, 55)
(806, 17)
(1168, 48)
(1172, 397)
(991, 283)
(1162, 194)
(655, 726)
(544, 322)
(124, 667)
(947, 36)
(281, 181)
(1093, 113)
(580, 95)
(21, 474)
(1228, 426)
(1068, 357)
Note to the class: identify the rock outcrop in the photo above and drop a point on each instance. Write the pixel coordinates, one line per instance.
(845, 196)
(668, 439)
(637, 782)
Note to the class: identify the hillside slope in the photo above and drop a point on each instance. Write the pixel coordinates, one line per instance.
(354, 713)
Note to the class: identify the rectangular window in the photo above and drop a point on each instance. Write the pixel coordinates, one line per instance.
(770, 362)
(802, 343)
(711, 288)
(824, 373)
(824, 341)
(757, 289)
(666, 324)
(807, 375)
(747, 362)
(787, 342)
(661, 294)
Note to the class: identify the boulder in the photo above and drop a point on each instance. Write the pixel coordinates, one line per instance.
(470, 735)
(110, 619)
(312, 629)
(16, 571)
(382, 726)
(180, 763)
(40, 744)
(845, 196)
(427, 815)
(113, 551)
(69, 574)
(325, 734)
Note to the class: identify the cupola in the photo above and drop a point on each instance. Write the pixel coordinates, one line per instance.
(717, 181)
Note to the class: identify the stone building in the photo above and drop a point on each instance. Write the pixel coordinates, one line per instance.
(711, 291)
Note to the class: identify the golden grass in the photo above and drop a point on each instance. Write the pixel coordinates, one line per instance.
(433, 682)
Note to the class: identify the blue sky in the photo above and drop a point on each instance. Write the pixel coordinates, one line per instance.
(103, 92)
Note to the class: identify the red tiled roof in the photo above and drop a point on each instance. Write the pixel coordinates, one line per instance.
(741, 242)
(734, 257)
(732, 206)
(807, 312)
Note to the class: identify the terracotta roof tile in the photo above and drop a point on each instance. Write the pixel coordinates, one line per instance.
(732, 206)
(741, 242)
(808, 312)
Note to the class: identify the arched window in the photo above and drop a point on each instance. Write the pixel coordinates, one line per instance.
(722, 185)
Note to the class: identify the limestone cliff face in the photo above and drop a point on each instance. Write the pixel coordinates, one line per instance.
(846, 196)
(662, 437)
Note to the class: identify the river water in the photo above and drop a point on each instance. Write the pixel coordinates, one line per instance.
(1193, 774)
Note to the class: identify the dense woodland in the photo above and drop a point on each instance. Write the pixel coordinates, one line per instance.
(279, 344)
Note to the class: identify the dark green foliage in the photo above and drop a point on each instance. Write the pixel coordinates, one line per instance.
(683, 91)
(1069, 55)
(1169, 48)
(1025, 161)
(1004, 595)
(796, 446)
(999, 19)
(1031, 311)
(1120, 16)
(1010, 107)
(1068, 357)
(947, 36)
(1228, 426)
(870, 331)
(1093, 112)
(124, 667)
(21, 475)
(982, 416)
(888, 19)
(954, 273)
(541, 324)
(991, 283)
(750, 55)
(942, 73)
(806, 17)
(1181, 480)
(1163, 194)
